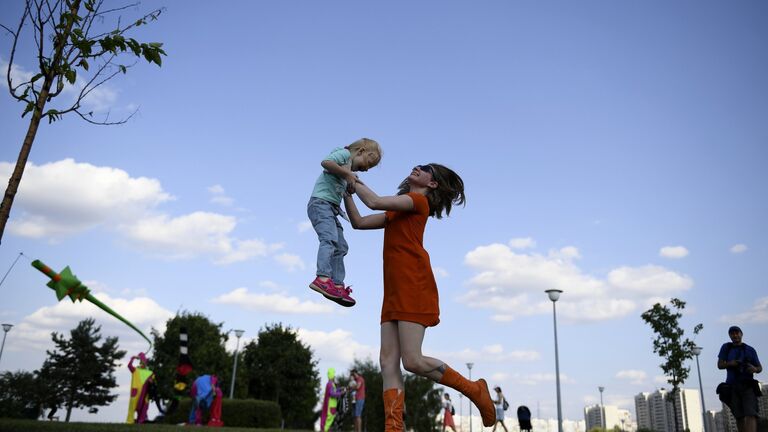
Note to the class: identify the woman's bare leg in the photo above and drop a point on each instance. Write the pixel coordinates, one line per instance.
(389, 356)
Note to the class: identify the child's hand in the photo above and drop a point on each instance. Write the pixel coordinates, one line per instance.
(351, 178)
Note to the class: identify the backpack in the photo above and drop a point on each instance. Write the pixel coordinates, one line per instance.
(505, 404)
(453, 410)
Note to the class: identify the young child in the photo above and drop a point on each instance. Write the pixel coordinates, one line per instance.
(338, 172)
(410, 293)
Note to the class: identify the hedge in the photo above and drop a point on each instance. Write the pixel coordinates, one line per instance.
(235, 413)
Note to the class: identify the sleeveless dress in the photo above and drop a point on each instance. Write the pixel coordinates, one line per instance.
(410, 291)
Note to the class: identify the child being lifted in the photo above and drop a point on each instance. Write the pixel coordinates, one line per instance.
(323, 210)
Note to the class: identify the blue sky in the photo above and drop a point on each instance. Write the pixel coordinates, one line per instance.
(614, 150)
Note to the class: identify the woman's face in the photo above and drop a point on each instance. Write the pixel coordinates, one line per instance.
(421, 175)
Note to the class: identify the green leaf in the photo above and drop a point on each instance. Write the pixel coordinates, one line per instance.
(123, 69)
(83, 64)
(71, 76)
(30, 107)
(36, 77)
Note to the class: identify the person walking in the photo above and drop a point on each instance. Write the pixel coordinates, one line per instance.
(499, 402)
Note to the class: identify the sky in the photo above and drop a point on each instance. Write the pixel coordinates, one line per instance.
(612, 150)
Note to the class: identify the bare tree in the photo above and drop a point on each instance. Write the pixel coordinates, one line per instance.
(71, 38)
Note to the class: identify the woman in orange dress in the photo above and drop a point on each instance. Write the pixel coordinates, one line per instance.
(411, 302)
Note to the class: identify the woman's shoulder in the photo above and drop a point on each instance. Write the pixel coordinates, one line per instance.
(420, 202)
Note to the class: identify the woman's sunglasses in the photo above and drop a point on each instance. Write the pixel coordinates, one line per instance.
(425, 168)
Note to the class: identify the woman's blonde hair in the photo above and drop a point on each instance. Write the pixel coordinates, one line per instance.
(367, 145)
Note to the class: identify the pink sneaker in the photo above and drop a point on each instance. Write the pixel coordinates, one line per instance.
(346, 300)
(327, 288)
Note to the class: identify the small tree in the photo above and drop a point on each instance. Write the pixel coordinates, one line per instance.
(281, 368)
(671, 345)
(19, 395)
(80, 44)
(80, 370)
(423, 402)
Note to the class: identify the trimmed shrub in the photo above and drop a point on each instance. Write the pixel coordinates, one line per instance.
(235, 412)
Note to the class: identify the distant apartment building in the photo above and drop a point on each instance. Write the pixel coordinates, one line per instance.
(614, 418)
(655, 411)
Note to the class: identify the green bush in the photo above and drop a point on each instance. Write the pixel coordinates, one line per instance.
(235, 413)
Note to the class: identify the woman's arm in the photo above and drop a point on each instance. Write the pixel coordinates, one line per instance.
(374, 221)
(375, 202)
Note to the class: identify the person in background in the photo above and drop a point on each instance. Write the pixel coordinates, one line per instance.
(358, 384)
(448, 413)
(741, 363)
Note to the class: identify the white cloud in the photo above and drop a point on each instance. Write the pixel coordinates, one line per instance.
(536, 379)
(290, 262)
(63, 198)
(649, 280)
(522, 243)
(304, 226)
(512, 285)
(337, 346)
(674, 252)
(739, 248)
(661, 379)
(440, 272)
(279, 302)
(219, 196)
(491, 354)
(634, 376)
(195, 234)
(758, 314)
(34, 331)
(18, 74)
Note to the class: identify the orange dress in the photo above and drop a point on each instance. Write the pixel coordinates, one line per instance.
(410, 291)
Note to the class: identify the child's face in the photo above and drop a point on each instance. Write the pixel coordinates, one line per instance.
(364, 160)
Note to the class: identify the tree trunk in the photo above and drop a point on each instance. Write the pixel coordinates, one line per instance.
(37, 115)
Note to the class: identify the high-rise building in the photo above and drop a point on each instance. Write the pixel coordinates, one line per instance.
(643, 411)
(656, 411)
(613, 417)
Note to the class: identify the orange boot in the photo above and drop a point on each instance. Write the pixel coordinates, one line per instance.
(476, 391)
(394, 402)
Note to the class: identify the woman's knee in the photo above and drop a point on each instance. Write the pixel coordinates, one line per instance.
(414, 364)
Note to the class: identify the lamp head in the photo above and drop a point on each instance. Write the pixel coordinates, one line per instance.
(7, 327)
(553, 294)
(239, 333)
(696, 350)
(469, 365)
(601, 388)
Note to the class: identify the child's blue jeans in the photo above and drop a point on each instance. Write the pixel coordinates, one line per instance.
(333, 246)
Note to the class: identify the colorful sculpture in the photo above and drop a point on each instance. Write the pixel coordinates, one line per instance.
(206, 395)
(330, 402)
(141, 380)
(66, 284)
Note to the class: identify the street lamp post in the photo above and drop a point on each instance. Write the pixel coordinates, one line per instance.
(238, 333)
(696, 351)
(602, 407)
(554, 294)
(6, 329)
(469, 366)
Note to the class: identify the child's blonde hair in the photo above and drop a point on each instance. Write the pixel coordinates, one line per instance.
(367, 145)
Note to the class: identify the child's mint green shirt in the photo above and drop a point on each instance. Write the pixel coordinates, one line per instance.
(328, 186)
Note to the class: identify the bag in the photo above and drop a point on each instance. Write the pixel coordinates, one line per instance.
(453, 410)
(723, 391)
(505, 404)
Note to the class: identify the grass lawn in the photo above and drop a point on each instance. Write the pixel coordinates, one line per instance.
(13, 425)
